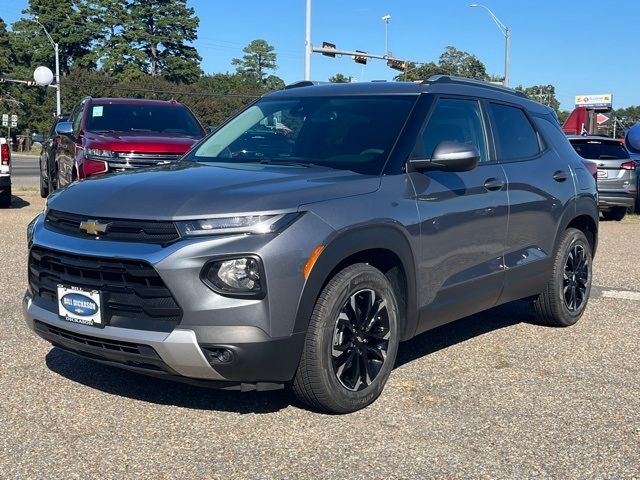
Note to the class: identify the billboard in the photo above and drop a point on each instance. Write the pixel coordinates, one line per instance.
(594, 101)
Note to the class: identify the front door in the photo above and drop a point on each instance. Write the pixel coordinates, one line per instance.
(463, 219)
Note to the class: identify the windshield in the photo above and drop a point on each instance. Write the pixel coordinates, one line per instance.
(168, 119)
(349, 133)
(600, 149)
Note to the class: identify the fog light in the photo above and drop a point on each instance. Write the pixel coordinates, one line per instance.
(235, 276)
(216, 355)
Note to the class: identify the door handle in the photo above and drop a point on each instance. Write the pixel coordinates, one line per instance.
(493, 184)
(560, 176)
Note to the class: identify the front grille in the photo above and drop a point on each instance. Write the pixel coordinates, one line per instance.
(133, 294)
(126, 161)
(123, 230)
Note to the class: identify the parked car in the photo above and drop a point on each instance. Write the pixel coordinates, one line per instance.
(105, 135)
(5, 173)
(396, 208)
(617, 177)
(48, 177)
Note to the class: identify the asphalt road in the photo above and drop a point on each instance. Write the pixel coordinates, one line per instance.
(490, 396)
(25, 171)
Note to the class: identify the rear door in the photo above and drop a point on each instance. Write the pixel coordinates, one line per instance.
(540, 188)
(463, 218)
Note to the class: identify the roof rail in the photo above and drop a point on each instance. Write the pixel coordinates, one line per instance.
(303, 83)
(472, 82)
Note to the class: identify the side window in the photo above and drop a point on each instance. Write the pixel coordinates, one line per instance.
(76, 118)
(454, 120)
(515, 137)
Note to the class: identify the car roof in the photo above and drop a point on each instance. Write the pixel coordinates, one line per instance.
(134, 101)
(439, 84)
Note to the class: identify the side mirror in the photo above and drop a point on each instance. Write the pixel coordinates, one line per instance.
(64, 128)
(449, 157)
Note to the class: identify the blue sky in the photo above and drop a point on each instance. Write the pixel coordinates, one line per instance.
(576, 45)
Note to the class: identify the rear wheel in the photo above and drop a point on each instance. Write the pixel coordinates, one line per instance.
(565, 297)
(351, 343)
(5, 197)
(615, 213)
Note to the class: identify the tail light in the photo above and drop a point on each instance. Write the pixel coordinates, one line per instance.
(5, 154)
(91, 167)
(629, 165)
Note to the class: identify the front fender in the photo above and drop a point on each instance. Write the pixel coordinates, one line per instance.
(347, 243)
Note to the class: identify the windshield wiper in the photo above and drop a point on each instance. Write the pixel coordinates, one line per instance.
(288, 163)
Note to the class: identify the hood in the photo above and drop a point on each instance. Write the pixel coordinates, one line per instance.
(191, 190)
(138, 142)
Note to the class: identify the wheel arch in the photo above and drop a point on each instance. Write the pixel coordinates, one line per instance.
(384, 247)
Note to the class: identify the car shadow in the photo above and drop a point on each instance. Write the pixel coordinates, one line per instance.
(136, 386)
(18, 202)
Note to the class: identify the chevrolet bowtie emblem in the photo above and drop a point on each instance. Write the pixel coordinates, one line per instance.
(93, 227)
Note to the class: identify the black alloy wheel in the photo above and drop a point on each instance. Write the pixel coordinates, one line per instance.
(360, 340)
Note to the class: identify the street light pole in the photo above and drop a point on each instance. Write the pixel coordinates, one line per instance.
(506, 31)
(57, 53)
(307, 43)
(386, 19)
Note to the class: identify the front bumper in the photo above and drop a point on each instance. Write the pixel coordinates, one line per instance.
(260, 332)
(258, 361)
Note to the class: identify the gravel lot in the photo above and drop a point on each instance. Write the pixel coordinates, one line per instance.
(491, 396)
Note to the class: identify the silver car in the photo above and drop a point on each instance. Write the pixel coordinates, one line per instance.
(617, 174)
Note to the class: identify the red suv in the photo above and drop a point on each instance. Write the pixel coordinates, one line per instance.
(105, 135)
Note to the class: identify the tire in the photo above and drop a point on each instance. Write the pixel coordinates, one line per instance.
(616, 213)
(44, 186)
(333, 379)
(5, 197)
(554, 305)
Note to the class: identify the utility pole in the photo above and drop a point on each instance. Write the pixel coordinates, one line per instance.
(307, 43)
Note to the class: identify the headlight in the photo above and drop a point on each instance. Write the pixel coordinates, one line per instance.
(255, 224)
(238, 276)
(99, 153)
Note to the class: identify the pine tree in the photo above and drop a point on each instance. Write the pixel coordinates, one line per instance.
(157, 35)
(258, 57)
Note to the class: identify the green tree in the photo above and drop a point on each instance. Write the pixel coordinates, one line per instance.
(545, 94)
(7, 58)
(339, 78)
(258, 57)
(140, 36)
(462, 64)
(68, 24)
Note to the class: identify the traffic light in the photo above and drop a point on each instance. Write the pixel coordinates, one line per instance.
(397, 64)
(360, 58)
(329, 46)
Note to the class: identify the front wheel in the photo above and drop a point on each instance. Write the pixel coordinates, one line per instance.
(565, 297)
(351, 344)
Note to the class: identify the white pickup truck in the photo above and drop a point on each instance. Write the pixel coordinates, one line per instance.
(5, 174)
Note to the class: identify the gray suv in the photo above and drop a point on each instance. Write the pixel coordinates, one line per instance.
(616, 173)
(361, 216)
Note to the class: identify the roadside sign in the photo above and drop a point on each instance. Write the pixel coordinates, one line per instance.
(14, 124)
(14, 118)
(601, 118)
(5, 120)
(604, 100)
